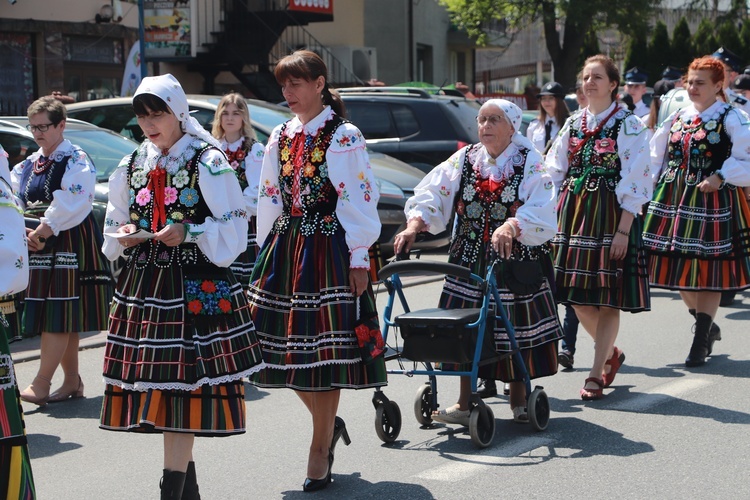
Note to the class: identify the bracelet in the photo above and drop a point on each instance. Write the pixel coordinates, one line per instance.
(623, 232)
(721, 178)
(512, 228)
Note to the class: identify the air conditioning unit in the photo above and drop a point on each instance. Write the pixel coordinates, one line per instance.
(361, 61)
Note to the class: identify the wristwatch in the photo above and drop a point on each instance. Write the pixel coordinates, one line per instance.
(721, 178)
(41, 239)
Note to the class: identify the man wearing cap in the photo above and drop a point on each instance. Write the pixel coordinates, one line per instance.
(635, 87)
(672, 74)
(741, 85)
(732, 66)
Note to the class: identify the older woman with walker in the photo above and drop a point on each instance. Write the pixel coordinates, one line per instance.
(504, 201)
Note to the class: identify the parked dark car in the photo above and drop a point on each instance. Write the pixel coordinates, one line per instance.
(396, 179)
(414, 125)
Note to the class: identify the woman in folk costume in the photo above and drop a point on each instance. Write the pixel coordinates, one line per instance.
(317, 218)
(181, 336)
(504, 199)
(70, 282)
(16, 479)
(696, 229)
(600, 163)
(233, 129)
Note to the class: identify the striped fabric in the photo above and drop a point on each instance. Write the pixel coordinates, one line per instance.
(533, 317)
(304, 314)
(211, 410)
(698, 241)
(70, 284)
(584, 272)
(243, 266)
(16, 478)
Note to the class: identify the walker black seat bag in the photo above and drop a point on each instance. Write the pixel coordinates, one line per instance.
(441, 335)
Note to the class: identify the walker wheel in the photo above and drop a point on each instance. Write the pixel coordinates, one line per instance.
(423, 405)
(388, 421)
(482, 425)
(538, 409)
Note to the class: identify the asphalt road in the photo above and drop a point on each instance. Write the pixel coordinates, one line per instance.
(663, 431)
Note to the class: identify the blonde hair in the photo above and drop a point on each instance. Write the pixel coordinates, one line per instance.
(247, 129)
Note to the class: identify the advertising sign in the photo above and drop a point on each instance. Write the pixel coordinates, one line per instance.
(319, 6)
(167, 27)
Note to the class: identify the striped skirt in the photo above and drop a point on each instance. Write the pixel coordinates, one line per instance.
(16, 478)
(584, 272)
(698, 241)
(243, 266)
(12, 307)
(534, 320)
(304, 313)
(70, 283)
(167, 366)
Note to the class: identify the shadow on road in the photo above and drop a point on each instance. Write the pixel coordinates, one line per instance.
(352, 486)
(74, 408)
(44, 445)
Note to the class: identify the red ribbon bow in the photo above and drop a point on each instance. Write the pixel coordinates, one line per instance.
(157, 179)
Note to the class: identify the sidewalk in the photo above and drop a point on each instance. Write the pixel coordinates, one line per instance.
(29, 349)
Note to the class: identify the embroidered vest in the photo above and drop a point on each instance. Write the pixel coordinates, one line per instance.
(597, 161)
(699, 149)
(481, 208)
(306, 166)
(183, 203)
(237, 161)
(39, 187)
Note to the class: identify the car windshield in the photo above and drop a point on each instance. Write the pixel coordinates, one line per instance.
(466, 112)
(105, 148)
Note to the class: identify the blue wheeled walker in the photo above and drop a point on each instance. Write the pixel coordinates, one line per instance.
(458, 336)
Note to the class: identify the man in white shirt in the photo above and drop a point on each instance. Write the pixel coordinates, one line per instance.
(635, 87)
(732, 66)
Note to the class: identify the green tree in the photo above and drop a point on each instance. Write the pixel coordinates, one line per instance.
(659, 52)
(637, 54)
(590, 47)
(745, 37)
(728, 36)
(704, 41)
(576, 18)
(683, 51)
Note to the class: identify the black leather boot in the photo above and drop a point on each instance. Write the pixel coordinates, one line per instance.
(700, 348)
(190, 491)
(714, 333)
(171, 485)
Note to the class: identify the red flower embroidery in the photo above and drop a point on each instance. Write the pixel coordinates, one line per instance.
(604, 145)
(225, 305)
(195, 306)
(208, 286)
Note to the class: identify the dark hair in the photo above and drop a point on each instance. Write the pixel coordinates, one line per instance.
(561, 112)
(142, 103)
(309, 66)
(54, 108)
(610, 68)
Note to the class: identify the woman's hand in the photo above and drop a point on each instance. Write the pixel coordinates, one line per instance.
(404, 240)
(358, 279)
(37, 238)
(129, 242)
(619, 247)
(172, 235)
(502, 241)
(710, 184)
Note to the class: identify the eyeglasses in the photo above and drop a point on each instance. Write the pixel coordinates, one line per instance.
(493, 119)
(40, 128)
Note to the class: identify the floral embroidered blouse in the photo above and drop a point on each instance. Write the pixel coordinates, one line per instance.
(635, 186)
(221, 237)
(736, 168)
(250, 166)
(435, 195)
(72, 202)
(348, 168)
(14, 255)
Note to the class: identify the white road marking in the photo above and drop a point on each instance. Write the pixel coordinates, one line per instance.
(660, 394)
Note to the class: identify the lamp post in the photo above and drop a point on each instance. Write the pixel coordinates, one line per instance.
(142, 39)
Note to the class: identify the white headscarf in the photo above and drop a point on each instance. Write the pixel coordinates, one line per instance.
(168, 89)
(515, 115)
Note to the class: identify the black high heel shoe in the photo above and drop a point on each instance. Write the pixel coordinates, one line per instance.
(319, 484)
(339, 429)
